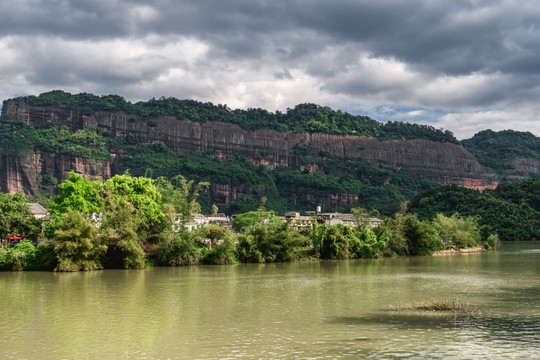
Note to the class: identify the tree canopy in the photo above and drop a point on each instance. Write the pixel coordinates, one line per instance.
(302, 118)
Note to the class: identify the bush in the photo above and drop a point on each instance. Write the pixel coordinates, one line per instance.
(458, 231)
(75, 244)
(493, 242)
(271, 242)
(409, 236)
(338, 242)
(178, 249)
(373, 246)
(124, 247)
(421, 237)
(19, 257)
(45, 257)
(223, 253)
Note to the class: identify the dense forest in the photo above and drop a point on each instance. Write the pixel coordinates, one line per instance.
(302, 118)
(512, 210)
(134, 222)
(285, 189)
(496, 150)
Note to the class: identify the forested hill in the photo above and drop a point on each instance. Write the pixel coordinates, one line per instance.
(308, 156)
(512, 210)
(302, 118)
(508, 153)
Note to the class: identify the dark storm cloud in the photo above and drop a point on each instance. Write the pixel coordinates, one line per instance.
(460, 54)
(454, 37)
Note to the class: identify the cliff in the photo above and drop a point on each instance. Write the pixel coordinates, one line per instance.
(443, 162)
(27, 173)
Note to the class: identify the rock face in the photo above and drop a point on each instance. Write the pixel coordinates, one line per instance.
(522, 168)
(26, 173)
(443, 162)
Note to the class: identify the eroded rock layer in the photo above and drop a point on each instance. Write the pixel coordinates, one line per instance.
(446, 163)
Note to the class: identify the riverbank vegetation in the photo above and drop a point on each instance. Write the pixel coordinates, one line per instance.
(133, 222)
(511, 211)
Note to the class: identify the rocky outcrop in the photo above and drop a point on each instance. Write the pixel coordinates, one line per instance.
(522, 168)
(27, 173)
(444, 162)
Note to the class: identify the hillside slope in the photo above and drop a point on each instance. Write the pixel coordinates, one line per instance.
(44, 137)
(512, 155)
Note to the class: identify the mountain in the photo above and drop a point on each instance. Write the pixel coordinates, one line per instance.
(512, 210)
(512, 155)
(307, 156)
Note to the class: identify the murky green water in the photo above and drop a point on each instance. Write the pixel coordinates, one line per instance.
(300, 310)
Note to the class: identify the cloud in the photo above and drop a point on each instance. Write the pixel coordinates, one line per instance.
(466, 124)
(459, 64)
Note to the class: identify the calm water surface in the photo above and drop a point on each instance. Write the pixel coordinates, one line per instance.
(330, 309)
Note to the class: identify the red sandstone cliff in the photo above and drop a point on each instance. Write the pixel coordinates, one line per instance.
(26, 173)
(444, 162)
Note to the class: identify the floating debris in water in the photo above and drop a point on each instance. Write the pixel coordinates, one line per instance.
(439, 305)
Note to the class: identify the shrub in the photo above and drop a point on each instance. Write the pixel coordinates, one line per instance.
(223, 253)
(458, 231)
(19, 257)
(271, 242)
(493, 242)
(75, 244)
(178, 249)
(124, 247)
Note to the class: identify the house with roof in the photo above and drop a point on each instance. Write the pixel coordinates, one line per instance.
(39, 212)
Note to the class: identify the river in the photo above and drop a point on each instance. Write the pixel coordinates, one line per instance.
(315, 310)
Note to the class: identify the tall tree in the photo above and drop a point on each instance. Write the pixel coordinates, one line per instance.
(76, 245)
(15, 215)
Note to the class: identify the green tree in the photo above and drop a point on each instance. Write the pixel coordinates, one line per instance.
(223, 253)
(271, 241)
(178, 249)
(213, 233)
(246, 221)
(15, 215)
(457, 231)
(145, 201)
(180, 197)
(409, 236)
(180, 202)
(118, 233)
(78, 193)
(76, 245)
(19, 257)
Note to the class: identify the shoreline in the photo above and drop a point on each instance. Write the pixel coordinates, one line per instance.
(458, 251)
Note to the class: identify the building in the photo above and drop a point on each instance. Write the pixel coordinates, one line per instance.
(39, 212)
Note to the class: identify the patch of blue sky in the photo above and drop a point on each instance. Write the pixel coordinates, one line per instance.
(412, 114)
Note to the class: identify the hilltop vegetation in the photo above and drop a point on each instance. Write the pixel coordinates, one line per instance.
(375, 187)
(302, 118)
(496, 150)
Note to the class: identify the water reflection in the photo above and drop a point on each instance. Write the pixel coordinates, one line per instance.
(327, 309)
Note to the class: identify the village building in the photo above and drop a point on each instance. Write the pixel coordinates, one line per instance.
(39, 212)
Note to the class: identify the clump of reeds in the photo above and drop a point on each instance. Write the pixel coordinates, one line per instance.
(439, 305)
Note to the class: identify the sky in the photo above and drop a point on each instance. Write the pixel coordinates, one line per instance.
(460, 65)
